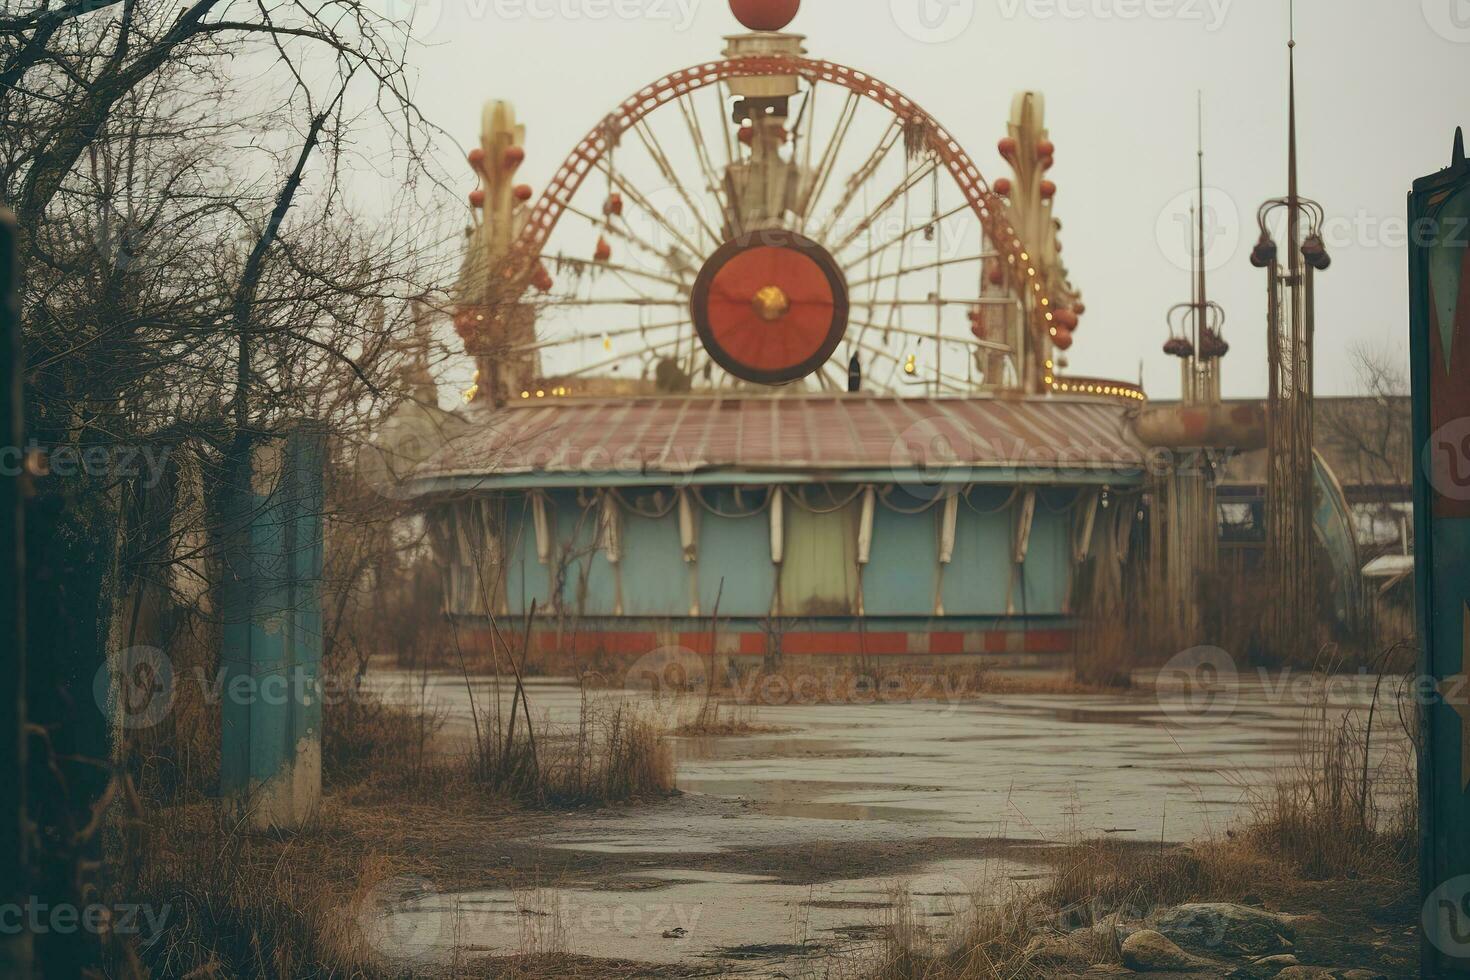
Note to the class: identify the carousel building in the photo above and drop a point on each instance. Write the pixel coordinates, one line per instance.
(769, 351)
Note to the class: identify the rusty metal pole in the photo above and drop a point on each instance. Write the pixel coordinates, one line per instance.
(15, 938)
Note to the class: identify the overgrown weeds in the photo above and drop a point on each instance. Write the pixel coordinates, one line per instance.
(615, 754)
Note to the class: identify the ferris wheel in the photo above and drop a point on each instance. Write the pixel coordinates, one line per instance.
(764, 220)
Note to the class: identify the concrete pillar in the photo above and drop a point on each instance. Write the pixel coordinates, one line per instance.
(270, 748)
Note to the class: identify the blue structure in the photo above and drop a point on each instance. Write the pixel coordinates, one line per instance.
(270, 748)
(848, 526)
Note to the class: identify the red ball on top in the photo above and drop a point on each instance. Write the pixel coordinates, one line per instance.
(765, 15)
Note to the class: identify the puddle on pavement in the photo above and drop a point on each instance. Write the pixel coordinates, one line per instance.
(1036, 768)
(694, 915)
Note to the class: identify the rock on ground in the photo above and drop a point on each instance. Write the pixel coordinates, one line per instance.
(1149, 951)
(1226, 928)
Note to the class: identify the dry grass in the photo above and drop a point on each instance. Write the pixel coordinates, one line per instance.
(615, 753)
(1347, 805)
(233, 904)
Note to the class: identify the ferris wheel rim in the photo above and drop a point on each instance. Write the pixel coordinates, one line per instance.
(586, 157)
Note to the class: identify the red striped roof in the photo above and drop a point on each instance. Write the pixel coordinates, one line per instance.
(817, 434)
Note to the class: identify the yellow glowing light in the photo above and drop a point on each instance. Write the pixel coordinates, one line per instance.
(1045, 302)
(540, 394)
(770, 303)
(1049, 317)
(910, 366)
(1050, 381)
(1025, 257)
(470, 393)
(606, 343)
(525, 394)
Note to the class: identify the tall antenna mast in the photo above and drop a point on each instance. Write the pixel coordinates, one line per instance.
(1203, 299)
(1291, 326)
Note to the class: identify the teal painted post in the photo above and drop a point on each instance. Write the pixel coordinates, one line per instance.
(270, 747)
(1439, 317)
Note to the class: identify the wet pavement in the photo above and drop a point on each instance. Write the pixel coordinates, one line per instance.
(1014, 771)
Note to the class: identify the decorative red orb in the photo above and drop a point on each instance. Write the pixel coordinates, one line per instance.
(542, 279)
(997, 275)
(1048, 190)
(747, 135)
(1065, 320)
(765, 15)
(1063, 340)
(1003, 187)
(477, 158)
(613, 206)
(1078, 309)
(1046, 148)
(604, 250)
(523, 192)
(477, 198)
(1008, 147)
(1047, 162)
(514, 155)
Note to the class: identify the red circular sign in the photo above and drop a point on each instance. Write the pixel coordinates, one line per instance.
(770, 308)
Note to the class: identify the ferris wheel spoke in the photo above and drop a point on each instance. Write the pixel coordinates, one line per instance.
(616, 301)
(628, 235)
(943, 380)
(926, 267)
(932, 301)
(861, 176)
(906, 234)
(585, 265)
(651, 144)
(706, 165)
(922, 335)
(609, 362)
(829, 157)
(607, 335)
(637, 197)
(910, 181)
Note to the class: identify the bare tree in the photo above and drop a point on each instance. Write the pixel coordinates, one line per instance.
(195, 277)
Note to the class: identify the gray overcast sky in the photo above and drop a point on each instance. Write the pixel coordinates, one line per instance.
(1382, 85)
